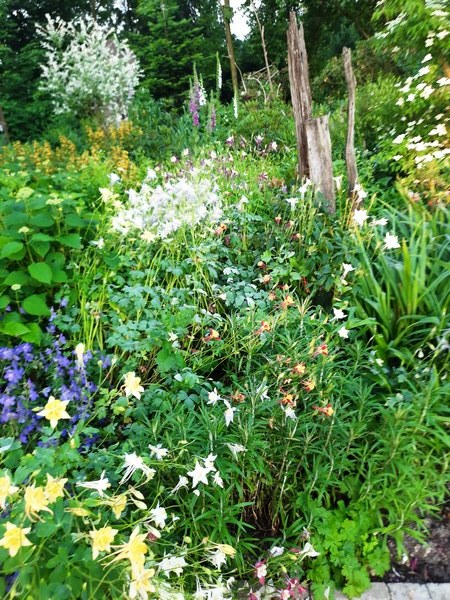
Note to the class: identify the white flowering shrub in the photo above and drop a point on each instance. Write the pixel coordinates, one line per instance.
(158, 212)
(88, 71)
(419, 141)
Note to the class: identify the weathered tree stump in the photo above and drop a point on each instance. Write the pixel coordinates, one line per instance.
(300, 89)
(320, 161)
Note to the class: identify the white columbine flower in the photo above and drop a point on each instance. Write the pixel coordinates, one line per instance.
(218, 558)
(308, 550)
(391, 242)
(100, 485)
(182, 482)
(113, 178)
(172, 563)
(158, 515)
(79, 351)
(133, 463)
(277, 551)
(158, 452)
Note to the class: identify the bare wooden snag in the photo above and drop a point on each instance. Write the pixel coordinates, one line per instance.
(300, 89)
(320, 161)
(313, 135)
(350, 158)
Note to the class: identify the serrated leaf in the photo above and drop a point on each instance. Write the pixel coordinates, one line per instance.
(10, 249)
(35, 305)
(41, 272)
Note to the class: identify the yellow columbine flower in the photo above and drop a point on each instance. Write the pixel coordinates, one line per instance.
(117, 504)
(102, 540)
(141, 585)
(35, 501)
(54, 411)
(15, 538)
(132, 385)
(6, 489)
(134, 550)
(54, 488)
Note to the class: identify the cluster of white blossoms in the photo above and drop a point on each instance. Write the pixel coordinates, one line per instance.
(158, 212)
(88, 69)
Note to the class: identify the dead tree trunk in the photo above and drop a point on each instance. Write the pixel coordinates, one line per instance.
(3, 127)
(320, 161)
(313, 135)
(300, 89)
(350, 159)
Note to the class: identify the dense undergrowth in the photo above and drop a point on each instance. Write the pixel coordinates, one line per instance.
(210, 387)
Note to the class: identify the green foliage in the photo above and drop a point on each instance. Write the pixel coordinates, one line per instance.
(40, 231)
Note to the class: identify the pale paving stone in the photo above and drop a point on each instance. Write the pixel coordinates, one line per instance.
(408, 591)
(378, 591)
(439, 591)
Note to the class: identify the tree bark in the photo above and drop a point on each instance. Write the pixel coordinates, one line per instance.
(227, 11)
(350, 158)
(300, 90)
(320, 161)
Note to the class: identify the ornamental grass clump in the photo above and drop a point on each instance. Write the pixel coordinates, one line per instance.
(158, 212)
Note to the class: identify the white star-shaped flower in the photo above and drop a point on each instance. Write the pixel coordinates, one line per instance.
(360, 216)
(213, 397)
(229, 413)
(391, 242)
(199, 474)
(158, 452)
(338, 313)
(343, 333)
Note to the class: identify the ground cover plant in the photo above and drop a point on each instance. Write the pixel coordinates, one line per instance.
(210, 387)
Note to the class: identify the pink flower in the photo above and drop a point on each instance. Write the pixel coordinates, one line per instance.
(261, 571)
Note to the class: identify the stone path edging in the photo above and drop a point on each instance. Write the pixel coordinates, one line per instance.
(404, 591)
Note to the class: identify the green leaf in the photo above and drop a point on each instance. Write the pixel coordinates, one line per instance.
(13, 328)
(4, 301)
(17, 219)
(34, 336)
(35, 305)
(41, 272)
(59, 276)
(41, 248)
(10, 249)
(41, 237)
(73, 220)
(42, 220)
(73, 240)
(17, 277)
